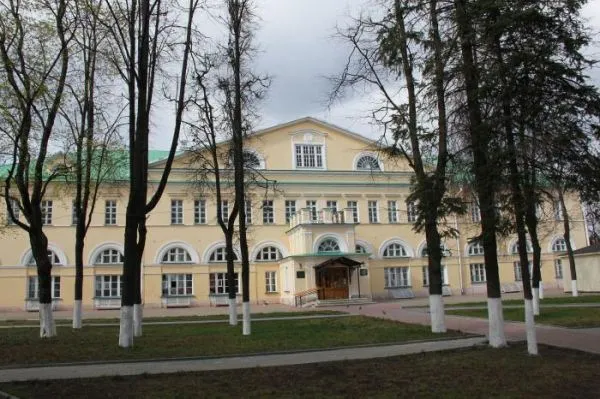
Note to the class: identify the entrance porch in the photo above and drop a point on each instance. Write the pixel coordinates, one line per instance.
(334, 278)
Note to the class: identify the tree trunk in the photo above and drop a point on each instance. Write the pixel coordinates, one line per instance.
(79, 246)
(231, 286)
(567, 237)
(39, 250)
(129, 271)
(436, 302)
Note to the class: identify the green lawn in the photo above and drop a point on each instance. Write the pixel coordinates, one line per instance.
(23, 346)
(560, 300)
(11, 322)
(563, 317)
(470, 373)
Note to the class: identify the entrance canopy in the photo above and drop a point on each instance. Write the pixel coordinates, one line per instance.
(336, 262)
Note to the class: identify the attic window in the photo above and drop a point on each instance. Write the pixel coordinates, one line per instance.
(367, 162)
(309, 156)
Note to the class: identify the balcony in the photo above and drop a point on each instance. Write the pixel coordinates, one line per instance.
(323, 216)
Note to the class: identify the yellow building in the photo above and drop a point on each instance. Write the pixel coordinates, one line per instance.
(338, 226)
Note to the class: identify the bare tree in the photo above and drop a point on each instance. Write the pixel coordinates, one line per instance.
(34, 53)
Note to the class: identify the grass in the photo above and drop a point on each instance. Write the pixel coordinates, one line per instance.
(34, 322)
(19, 346)
(560, 300)
(475, 372)
(563, 317)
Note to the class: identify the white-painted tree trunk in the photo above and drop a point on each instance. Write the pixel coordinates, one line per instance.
(541, 290)
(436, 311)
(246, 329)
(496, 335)
(126, 327)
(232, 312)
(138, 316)
(574, 288)
(532, 347)
(536, 301)
(77, 314)
(47, 326)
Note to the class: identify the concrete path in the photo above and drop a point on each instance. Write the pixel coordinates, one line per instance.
(55, 371)
(587, 340)
(542, 306)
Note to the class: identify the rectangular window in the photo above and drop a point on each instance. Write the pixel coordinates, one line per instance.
(353, 205)
(248, 210)
(225, 211)
(558, 270)
(475, 212)
(74, 218)
(271, 281)
(290, 209)
(309, 156)
(477, 273)
(176, 211)
(177, 285)
(218, 283)
(373, 212)
(200, 212)
(268, 217)
(425, 272)
(109, 286)
(46, 206)
(411, 212)
(332, 205)
(396, 277)
(110, 213)
(312, 205)
(392, 212)
(558, 211)
(33, 287)
(14, 205)
(517, 270)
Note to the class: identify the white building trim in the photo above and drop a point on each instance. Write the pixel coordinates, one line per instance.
(174, 244)
(103, 247)
(268, 243)
(410, 252)
(25, 256)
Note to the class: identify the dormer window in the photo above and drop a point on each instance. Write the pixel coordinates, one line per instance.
(309, 156)
(368, 162)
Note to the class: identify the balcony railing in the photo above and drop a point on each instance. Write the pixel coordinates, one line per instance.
(322, 216)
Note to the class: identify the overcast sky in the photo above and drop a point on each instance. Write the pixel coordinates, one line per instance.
(298, 50)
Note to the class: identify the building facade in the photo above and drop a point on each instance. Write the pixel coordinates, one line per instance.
(338, 225)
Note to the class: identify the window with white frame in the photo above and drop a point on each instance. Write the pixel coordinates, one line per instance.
(176, 255)
(411, 212)
(359, 249)
(200, 211)
(248, 211)
(353, 206)
(225, 211)
(220, 255)
(392, 212)
(519, 270)
(309, 156)
(33, 287)
(268, 253)
(425, 272)
(14, 205)
(109, 256)
(477, 273)
(373, 212)
(475, 248)
(312, 205)
(559, 245)
(558, 269)
(109, 286)
(443, 248)
(218, 283)
(177, 285)
(514, 249)
(268, 214)
(396, 277)
(329, 245)
(290, 209)
(558, 211)
(271, 281)
(367, 162)
(110, 213)
(395, 250)
(176, 211)
(475, 212)
(46, 207)
(74, 216)
(52, 257)
(332, 205)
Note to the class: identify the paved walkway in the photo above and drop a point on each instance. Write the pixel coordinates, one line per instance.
(186, 365)
(587, 340)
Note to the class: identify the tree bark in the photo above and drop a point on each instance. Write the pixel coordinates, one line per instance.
(567, 237)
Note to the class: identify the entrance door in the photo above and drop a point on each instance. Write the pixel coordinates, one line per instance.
(333, 283)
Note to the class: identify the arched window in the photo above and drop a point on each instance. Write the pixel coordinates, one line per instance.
(475, 248)
(176, 255)
(359, 249)
(367, 162)
(268, 253)
(559, 245)
(515, 248)
(329, 245)
(395, 250)
(425, 251)
(109, 256)
(52, 257)
(220, 255)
